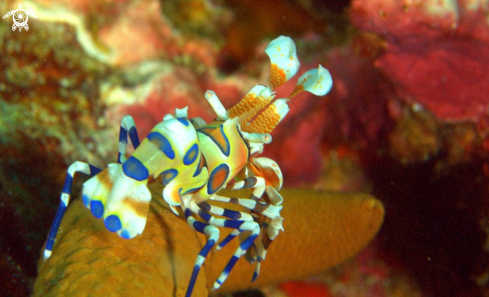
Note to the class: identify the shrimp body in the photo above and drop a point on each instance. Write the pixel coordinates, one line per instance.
(194, 160)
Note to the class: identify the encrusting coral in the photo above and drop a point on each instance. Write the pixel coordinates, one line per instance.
(87, 259)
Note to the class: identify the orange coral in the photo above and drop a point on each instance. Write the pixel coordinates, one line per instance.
(88, 259)
(322, 229)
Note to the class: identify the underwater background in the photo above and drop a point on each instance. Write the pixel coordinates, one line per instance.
(407, 121)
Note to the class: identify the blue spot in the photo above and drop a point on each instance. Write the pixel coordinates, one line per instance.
(125, 234)
(86, 200)
(218, 136)
(162, 144)
(232, 214)
(168, 175)
(191, 154)
(133, 168)
(113, 223)
(133, 134)
(199, 226)
(233, 224)
(188, 213)
(229, 266)
(201, 165)
(217, 178)
(207, 248)
(183, 121)
(226, 240)
(193, 278)
(67, 185)
(97, 208)
(248, 242)
(93, 170)
(255, 275)
(123, 135)
(205, 206)
(54, 228)
(49, 244)
(204, 215)
(191, 191)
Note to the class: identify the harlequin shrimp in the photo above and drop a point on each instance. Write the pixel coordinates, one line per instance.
(194, 160)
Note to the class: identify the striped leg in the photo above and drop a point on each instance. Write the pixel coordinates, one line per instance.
(257, 183)
(255, 204)
(228, 213)
(231, 214)
(213, 235)
(241, 226)
(228, 239)
(269, 233)
(78, 166)
(252, 204)
(127, 127)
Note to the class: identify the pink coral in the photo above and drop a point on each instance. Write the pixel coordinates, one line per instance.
(437, 53)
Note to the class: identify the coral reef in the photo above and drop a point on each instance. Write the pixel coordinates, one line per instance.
(437, 43)
(432, 83)
(88, 259)
(406, 119)
(66, 83)
(254, 21)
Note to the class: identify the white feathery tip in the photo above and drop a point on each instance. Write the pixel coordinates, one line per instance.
(317, 81)
(283, 54)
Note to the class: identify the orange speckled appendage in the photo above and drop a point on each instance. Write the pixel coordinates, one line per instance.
(249, 103)
(277, 76)
(265, 122)
(297, 90)
(89, 260)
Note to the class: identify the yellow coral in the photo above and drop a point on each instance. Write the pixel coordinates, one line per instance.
(322, 229)
(87, 259)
